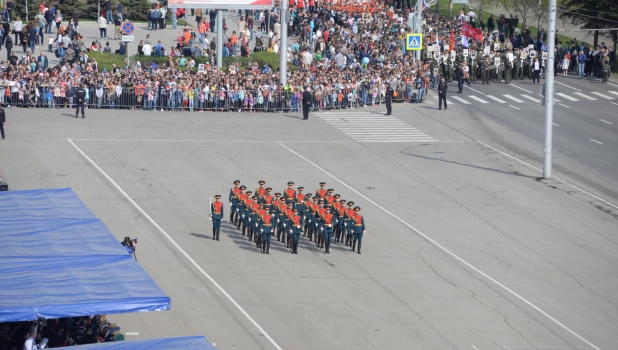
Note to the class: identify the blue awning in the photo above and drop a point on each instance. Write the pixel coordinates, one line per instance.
(58, 260)
(185, 343)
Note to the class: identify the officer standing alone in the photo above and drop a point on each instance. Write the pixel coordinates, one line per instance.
(442, 87)
(306, 102)
(2, 121)
(389, 98)
(80, 93)
(216, 214)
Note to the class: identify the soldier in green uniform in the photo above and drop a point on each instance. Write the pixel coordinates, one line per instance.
(508, 67)
(605, 67)
(450, 72)
(485, 72)
(216, 214)
(516, 64)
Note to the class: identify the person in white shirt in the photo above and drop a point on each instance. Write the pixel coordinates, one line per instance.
(472, 15)
(147, 49)
(102, 22)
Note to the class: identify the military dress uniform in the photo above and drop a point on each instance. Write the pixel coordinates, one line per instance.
(260, 192)
(349, 223)
(296, 224)
(359, 229)
(328, 221)
(266, 230)
(340, 228)
(321, 192)
(216, 214)
(233, 198)
(240, 207)
(245, 211)
(605, 68)
(289, 195)
(485, 72)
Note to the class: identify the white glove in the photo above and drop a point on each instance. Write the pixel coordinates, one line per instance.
(256, 225)
(249, 219)
(290, 231)
(230, 204)
(364, 231)
(322, 228)
(243, 216)
(309, 220)
(262, 230)
(237, 210)
(284, 224)
(345, 224)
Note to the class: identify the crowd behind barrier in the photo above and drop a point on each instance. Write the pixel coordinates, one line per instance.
(173, 99)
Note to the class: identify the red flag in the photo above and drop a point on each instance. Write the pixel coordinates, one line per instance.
(452, 41)
(470, 32)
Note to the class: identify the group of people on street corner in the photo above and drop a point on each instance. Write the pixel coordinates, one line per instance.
(261, 215)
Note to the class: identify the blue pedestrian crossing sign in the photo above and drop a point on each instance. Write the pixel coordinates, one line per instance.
(414, 41)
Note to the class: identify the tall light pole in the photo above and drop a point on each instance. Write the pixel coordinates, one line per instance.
(283, 48)
(219, 38)
(549, 88)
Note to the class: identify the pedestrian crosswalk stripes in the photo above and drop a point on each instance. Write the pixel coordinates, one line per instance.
(478, 99)
(613, 92)
(602, 95)
(585, 96)
(513, 98)
(530, 98)
(566, 96)
(496, 99)
(460, 100)
(374, 127)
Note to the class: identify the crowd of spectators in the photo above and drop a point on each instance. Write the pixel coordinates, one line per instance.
(344, 52)
(56, 333)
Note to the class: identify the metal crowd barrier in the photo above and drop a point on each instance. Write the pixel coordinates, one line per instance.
(214, 100)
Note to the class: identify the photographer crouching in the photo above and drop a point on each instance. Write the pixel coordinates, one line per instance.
(129, 245)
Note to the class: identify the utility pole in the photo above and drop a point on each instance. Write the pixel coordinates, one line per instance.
(27, 11)
(219, 38)
(549, 88)
(283, 48)
(98, 9)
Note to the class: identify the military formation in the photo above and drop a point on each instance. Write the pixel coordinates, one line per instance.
(492, 63)
(262, 216)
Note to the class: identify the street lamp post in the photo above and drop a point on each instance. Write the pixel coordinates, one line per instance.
(549, 89)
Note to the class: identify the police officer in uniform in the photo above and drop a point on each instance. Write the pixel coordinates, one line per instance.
(2, 121)
(442, 87)
(216, 214)
(389, 98)
(307, 97)
(80, 94)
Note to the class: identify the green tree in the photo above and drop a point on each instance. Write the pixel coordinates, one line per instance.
(70, 8)
(137, 10)
(592, 14)
(524, 8)
(19, 9)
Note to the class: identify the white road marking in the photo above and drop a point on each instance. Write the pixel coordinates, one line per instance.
(530, 98)
(495, 99)
(477, 99)
(613, 103)
(601, 95)
(555, 124)
(593, 140)
(460, 100)
(182, 251)
(566, 96)
(585, 96)
(513, 107)
(444, 249)
(474, 347)
(387, 141)
(605, 121)
(386, 133)
(615, 206)
(565, 106)
(131, 333)
(359, 118)
(521, 88)
(513, 98)
(570, 87)
(475, 90)
(613, 92)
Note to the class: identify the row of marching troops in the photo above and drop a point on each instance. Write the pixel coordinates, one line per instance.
(517, 64)
(261, 215)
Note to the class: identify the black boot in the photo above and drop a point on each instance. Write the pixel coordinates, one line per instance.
(327, 249)
(244, 229)
(359, 245)
(214, 233)
(267, 247)
(218, 232)
(263, 247)
(353, 246)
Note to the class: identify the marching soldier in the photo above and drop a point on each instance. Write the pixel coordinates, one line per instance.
(321, 210)
(516, 64)
(268, 198)
(240, 207)
(296, 225)
(216, 214)
(359, 229)
(321, 192)
(330, 199)
(328, 221)
(233, 198)
(349, 223)
(288, 213)
(485, 73)
(266, 230)
(300, 196)
(289, 195)
(245, 212)
(253, 219)
(306, 212)
(260, 214)
(260, 191)
(279, 214)
(311, 224)
(275, 204)
(340, 228)
(508, 68)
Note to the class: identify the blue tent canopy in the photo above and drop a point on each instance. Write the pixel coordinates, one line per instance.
(185, 343)
(58, 260)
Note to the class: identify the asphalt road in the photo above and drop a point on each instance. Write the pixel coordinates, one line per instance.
(464, 248)
(585, 126)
